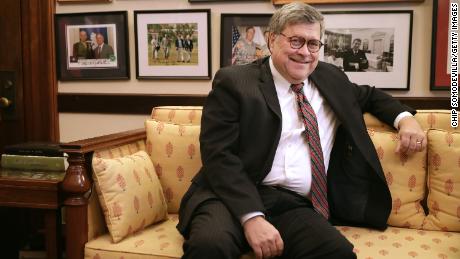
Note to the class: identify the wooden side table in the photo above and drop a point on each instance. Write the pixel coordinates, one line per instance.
(36, 190)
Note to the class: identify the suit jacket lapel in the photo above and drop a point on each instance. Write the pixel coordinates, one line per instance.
(328, 90)
(267, 86)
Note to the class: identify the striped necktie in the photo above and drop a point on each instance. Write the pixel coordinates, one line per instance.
(318, 171)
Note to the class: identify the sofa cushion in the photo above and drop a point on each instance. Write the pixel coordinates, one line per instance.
(402, 243)
(96, 222)
(175, 153)
(178, 114)
(160, 240)
(405, 175)
(129, 192)
(443, 181)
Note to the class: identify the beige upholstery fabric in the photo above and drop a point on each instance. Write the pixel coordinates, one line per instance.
(120, 151)
(375, 124)
(405, 175)
(434, 119)
(428, 119)
(129, 192)
(443, 181)
(400, 243)
(160, 240)
(178, 114)
(175, 153)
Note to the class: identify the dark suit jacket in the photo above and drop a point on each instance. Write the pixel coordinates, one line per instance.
(106, 51)
(241, 128)
(359, 57)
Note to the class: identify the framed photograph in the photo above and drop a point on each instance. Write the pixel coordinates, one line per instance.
(372, 47)
(243, 38)
(281, 2)
(173, 44)
(440, 61)
(92, 46)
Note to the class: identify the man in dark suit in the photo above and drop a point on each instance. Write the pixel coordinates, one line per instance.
(180, 48)
(188, 46)
(270, 131)
(102, 50)
(354, 60)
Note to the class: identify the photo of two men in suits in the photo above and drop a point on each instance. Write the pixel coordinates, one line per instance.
(92, 47)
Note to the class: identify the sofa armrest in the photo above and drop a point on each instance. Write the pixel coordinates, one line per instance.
(77, 184)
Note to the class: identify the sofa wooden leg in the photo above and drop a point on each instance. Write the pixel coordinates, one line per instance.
(75, 185)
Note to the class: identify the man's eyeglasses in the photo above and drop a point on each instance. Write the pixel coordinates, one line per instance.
(298, 42)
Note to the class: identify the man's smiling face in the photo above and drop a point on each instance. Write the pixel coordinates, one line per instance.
(295, 65)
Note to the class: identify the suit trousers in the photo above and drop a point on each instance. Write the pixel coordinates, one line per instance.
(215, 233)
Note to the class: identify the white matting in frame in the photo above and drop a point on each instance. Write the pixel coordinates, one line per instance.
(396, 77)
(199, 70)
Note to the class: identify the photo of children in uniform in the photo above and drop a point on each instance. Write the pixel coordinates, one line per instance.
(360, 50)
(172, 44)
(91, 46)
(249, 43)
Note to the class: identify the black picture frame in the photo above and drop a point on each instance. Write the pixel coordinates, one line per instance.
(232, 21)
(157, 33)
(389, 37)
(80, 63)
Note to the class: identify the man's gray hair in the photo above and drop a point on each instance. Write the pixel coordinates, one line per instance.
(295, 13)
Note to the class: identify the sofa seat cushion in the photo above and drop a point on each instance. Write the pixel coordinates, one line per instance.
(402, 243)
(160, 240)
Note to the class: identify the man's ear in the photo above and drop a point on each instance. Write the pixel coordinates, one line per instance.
(271, 41)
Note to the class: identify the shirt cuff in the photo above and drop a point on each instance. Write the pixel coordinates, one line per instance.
(250, 215)
(400, 117)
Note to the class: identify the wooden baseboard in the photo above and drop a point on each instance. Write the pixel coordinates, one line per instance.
(142, 104)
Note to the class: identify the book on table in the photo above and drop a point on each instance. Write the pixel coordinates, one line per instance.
(46, 163)
(34, 156)
(35, 149)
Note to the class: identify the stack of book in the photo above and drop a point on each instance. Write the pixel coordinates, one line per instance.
(34, 156)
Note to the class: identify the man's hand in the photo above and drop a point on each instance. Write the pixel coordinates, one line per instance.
(411, 136)
(263, 237)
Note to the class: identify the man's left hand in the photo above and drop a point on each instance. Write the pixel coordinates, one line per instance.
(411, 136)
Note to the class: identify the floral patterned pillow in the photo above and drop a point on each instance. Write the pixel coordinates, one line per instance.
(129, 192)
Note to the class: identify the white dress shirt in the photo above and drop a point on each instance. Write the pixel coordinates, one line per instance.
(292, 164)
(291, 167)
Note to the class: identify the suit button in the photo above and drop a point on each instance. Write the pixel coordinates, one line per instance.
(350, 148)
